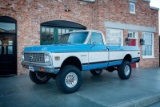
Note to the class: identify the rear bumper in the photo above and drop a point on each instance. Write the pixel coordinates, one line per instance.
(135, 60)
(39, 67)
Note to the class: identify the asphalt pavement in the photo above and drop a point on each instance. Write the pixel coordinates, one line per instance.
(106, 90)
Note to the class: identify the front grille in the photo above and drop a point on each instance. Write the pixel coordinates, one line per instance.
(34, 57)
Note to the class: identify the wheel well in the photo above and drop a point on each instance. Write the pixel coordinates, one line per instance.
(72, 61)
(128, 57)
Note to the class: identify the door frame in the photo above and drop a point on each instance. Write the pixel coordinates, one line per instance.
(7, 19)
(136, 38)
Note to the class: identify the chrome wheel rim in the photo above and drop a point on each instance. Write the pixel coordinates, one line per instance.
(41, 76)
(127, 70)
(71, 79)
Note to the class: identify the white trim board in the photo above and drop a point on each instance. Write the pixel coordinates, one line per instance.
(117, 25)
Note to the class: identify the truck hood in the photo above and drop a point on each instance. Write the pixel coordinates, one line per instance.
(57, 48)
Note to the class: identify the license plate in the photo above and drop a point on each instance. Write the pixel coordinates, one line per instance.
(31, 68)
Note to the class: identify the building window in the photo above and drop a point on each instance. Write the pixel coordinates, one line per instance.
(132, 8)
(51, 35)
(132, 35)
(148, 47)
(114, 37)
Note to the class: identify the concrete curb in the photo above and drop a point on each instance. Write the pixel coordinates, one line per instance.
(140, 102)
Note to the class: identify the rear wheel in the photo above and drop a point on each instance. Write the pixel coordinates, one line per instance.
(124, 70)
(96, 72)
(69, 79)
(39, 77)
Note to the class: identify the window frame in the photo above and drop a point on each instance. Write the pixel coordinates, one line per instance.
(121, 44)
(149, 56)
(134, 5)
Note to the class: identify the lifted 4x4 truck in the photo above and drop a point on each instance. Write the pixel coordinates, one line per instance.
(75, 52)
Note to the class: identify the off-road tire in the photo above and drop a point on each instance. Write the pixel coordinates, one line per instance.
(39, 77)
(69, 79)
(124, 70)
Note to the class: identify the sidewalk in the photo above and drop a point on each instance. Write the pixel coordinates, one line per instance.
(107, 90)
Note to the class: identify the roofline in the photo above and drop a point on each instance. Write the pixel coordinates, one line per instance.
(86, 31)
(154, 8)
(147, 1)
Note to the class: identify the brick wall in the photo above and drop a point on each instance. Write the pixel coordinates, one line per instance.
(31, 13)
(118, 11)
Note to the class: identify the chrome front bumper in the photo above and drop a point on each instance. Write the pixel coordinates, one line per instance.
(38, 67)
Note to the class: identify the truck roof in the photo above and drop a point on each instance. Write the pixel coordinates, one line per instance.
(87, 31)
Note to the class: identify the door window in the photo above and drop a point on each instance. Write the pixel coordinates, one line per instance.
(6, 44)
(96, 38)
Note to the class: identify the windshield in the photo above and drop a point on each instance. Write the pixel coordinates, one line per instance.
(73, 38)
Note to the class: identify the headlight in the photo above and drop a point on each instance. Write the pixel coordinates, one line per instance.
(22, 57)
(46, 58)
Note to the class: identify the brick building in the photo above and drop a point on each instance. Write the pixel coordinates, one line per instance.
(35, 22)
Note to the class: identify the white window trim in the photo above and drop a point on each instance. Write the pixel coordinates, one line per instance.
(136, 36)
(115, 29)
(134, 8)
(152, 56)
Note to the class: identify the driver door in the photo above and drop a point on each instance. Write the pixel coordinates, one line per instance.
(98, 52)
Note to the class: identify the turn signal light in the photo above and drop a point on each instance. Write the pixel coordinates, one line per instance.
(41, 69)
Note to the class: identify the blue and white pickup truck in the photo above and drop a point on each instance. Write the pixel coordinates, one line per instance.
(75, 52)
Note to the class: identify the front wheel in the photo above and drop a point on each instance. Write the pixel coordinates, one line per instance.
(96, 72)
(124, 70)
(69, 79)
(39, 77)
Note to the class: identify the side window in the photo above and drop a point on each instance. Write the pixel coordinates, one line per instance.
(96, 38)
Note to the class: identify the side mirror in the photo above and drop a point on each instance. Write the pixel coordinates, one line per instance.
(93, 44)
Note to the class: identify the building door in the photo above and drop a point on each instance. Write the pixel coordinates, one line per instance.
(133, 43)
(8, 52)
(133, 37)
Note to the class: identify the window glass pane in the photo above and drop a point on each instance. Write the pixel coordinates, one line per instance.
(114, 37)
(132, 7)
(63, 31)
(43, 30)
(47, 35)
(10, 49)
(7, 27)
(51, 31)
(6, 44)
(47, 30)
(67, 30)
(147, 49)
(96, 38)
